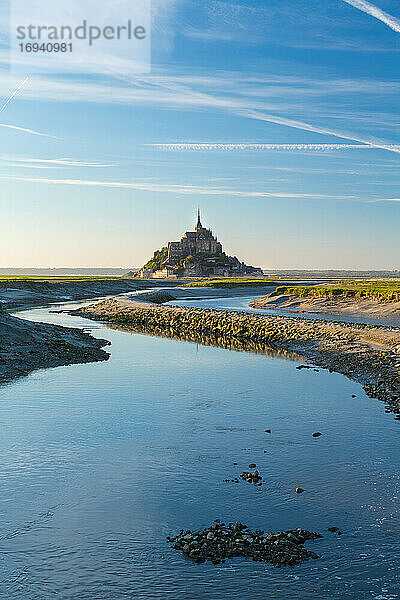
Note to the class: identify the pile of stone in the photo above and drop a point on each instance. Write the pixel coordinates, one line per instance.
(219, 542)
(252, 477)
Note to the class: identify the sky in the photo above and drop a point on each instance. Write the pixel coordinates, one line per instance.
(279, 119)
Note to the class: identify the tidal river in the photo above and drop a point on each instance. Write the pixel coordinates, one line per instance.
(100, 462)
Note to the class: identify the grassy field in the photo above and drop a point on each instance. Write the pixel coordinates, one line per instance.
(382, 290)
(231, 282)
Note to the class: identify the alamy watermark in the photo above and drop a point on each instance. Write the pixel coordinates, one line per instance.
(80, 36)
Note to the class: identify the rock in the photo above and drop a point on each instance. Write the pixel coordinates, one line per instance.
(299, 490)
(268, 431)
(252, 466)
(333, 529)
(317, 434)
(251, 477)
(219, 542)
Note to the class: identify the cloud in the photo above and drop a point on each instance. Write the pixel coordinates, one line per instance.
(275, 99)
(301, 24)
(31, 131)
(386, 200)
(199, 146)
(57, 162)
(174, 188)
(15, 127)
(377, 13)
(252, 114)
(15, 92)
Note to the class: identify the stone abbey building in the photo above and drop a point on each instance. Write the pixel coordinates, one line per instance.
(199, 241)
(197, 254)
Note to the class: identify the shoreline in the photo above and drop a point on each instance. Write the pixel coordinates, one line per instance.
(26, 346)
(24, 293)
(367, 354)
(355, 307)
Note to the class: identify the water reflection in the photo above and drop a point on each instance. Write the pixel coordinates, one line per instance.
(216, 341)
(100, 462)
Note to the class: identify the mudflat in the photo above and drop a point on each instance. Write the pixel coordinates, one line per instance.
(27, 346)
(334, 306)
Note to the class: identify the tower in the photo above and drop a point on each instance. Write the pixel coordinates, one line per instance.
(199, 225)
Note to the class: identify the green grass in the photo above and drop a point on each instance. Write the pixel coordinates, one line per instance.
(231, 282)
(382, 291)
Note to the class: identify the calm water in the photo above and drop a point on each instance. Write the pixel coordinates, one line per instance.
(100, 462)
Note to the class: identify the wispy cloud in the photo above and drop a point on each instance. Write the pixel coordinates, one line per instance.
(176, 189)
(275, 99)
(386, 200)
(31, 131)
(15, 127)
(377, 13)
(199, 146)
(15, 92)
(302, 125)
(283, 22)
(58, 162)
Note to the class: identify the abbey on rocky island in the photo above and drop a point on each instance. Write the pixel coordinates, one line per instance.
(197, 254)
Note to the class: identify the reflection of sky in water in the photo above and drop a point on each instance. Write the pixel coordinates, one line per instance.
(100, 462)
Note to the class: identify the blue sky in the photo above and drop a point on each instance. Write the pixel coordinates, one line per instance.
(251, 111)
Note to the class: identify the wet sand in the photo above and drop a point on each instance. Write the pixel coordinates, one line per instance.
(338, 306)
(27, 346)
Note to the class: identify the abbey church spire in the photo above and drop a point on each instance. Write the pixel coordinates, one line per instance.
(199, 225)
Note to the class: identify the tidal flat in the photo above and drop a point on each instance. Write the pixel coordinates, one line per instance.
(101, 462)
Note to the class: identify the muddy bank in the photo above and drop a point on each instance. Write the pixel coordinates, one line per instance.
(20, 293)
(27, 346)
(367, 354)
(330, 306)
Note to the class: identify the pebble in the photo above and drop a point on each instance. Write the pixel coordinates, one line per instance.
(299, 490)
(317, 434)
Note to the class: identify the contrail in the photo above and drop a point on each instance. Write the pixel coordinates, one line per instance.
(14, 93)
(175, 188)
(190, 146)
(260, 116)
(32, 131)
(377, 13)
